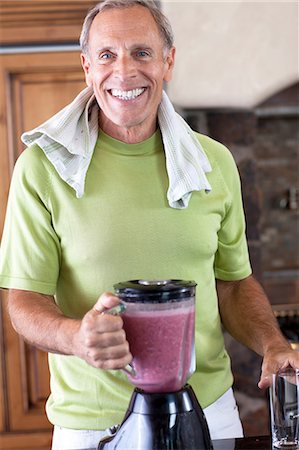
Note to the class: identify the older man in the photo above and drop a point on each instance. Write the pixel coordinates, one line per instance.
(96, 199)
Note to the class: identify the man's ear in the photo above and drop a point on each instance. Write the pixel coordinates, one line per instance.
(169, 64)
(86, 67)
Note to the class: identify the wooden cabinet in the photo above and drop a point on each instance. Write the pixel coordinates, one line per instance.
(34, 86)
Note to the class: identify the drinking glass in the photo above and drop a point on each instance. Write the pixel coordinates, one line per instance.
(284, 408)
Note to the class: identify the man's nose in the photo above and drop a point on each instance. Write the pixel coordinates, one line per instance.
(125, 67)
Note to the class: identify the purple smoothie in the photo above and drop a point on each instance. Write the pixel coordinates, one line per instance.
(161, 343)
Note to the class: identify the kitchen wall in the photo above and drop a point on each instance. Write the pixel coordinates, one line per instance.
(232, 53)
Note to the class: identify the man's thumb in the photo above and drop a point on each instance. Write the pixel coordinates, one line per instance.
(106, 301)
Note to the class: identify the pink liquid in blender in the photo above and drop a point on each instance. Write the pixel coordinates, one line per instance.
(161, 343)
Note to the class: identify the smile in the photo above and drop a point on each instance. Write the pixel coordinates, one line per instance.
(127, 95)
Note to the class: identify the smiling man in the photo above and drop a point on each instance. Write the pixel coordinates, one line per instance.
(116, 187)
(126, 64)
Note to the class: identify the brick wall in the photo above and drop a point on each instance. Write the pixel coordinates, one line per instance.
(265, 145)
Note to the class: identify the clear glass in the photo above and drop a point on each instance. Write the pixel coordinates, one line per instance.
(284, 406)
(161, 339)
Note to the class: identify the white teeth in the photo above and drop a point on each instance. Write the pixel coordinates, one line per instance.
(127, 95)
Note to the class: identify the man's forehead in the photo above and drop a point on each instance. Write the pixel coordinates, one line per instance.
(109, 30)
(126, 18)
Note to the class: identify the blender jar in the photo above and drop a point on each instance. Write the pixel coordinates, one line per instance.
(159, 321)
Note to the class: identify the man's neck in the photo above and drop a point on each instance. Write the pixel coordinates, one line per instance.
(131, 135)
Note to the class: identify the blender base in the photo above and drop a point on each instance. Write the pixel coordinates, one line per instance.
(166, 421)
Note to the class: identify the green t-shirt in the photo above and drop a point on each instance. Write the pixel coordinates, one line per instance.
(122, 229)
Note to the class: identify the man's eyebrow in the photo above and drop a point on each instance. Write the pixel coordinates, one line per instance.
(142, 45)
(105, 49)
(131, 48)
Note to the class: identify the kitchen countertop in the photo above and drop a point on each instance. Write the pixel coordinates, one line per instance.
(248, 443)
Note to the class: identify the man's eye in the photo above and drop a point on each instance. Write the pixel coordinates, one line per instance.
(142, 53)
(106, 56)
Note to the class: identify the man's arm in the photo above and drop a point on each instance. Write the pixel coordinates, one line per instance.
(98, 338)
(247, 315)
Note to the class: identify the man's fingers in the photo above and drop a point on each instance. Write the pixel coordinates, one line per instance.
(114, 357)
(109, 353)
(276, 361)
(264, 382)
(110, 338)
(95, 325)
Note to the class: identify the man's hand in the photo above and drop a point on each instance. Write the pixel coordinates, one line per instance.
(98, 338)
(101, 339)
(275, 360)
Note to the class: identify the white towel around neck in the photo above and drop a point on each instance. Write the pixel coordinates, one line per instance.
(69, 137)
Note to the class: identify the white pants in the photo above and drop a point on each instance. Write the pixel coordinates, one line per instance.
(222, 417)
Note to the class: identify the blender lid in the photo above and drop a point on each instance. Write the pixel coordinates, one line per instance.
(155, 290)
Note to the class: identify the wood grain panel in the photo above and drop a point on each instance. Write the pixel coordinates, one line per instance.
(18, 441)
(36, 376)
(42, 21)
(3, 398)
(33, 88)
(22, 413)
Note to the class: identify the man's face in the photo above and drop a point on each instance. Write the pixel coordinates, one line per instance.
(126, 68)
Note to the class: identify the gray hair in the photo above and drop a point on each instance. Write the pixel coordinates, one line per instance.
(160, 19)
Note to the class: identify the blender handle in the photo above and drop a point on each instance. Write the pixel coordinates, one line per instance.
(115, 311)
(129, 369)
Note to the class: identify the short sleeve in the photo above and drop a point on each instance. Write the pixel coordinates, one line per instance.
(30, 248)
(232, 258)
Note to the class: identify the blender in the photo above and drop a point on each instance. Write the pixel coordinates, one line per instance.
(163, 413)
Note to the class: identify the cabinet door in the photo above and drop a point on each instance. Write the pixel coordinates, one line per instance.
(34, 86)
